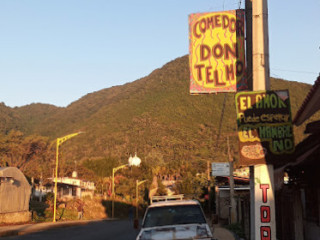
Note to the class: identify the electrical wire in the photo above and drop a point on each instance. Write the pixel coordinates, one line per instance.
(221, 117)
(294, 71)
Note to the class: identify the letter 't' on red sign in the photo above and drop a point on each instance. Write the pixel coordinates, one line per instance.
(264, 188)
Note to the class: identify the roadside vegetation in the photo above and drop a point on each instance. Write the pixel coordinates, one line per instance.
(173, 133)
(68, 209)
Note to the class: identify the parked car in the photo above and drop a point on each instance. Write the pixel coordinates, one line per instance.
(174, 219)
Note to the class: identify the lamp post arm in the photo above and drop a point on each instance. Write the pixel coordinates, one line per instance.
(139, 183)
(59, 142)
(137, 196)
(56, 182)
(113, 172)
(118, 168)
(112, 193)
(67, 137)
(131, 163)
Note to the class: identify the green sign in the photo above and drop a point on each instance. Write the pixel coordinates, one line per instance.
(264, 126)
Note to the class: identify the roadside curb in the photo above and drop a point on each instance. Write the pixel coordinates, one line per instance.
(38, 227)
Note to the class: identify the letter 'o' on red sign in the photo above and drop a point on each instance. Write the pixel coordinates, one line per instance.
(265, 233)
(265, 214)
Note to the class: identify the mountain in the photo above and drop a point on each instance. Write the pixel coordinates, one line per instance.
(154, 116)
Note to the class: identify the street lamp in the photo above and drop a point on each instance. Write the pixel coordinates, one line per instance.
(132, 161)
(137, 195)
(59, 142)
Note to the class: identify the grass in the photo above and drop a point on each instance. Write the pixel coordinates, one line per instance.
(93, 209)
(41, 212)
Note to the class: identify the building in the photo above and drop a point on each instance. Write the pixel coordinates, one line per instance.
(298, 198)
(71, 187)
(241, 196)
(15, 193)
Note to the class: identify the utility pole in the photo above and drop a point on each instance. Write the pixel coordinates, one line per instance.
(260, 46)
(209, 188)
(248, 10)
(233, 212)
(261, 176)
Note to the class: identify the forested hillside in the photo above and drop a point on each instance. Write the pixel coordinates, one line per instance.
(154, 116)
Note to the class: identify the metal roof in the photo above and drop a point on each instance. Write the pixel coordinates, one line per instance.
(310, 104)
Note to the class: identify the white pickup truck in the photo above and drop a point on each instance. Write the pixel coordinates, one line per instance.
(170, 219)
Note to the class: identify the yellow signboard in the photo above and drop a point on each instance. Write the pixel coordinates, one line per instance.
(217, 52)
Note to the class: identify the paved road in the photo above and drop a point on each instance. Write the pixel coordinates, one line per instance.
(106, 230)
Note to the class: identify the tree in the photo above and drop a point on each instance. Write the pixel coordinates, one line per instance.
(192, 185)
(19, 151)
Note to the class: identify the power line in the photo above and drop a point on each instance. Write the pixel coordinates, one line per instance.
(295, 71)
(221, 117)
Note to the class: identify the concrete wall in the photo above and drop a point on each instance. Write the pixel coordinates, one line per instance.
(16, 217)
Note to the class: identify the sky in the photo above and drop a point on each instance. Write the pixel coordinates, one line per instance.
(57, 51)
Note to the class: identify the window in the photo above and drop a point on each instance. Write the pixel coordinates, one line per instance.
(173, 215)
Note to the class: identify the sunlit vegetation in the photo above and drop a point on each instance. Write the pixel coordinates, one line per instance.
(174, 133)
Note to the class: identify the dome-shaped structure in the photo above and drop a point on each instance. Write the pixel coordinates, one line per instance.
(74, 174)
(135, 161)
(15, 193)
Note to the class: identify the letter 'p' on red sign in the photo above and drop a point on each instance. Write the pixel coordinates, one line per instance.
(265, 233)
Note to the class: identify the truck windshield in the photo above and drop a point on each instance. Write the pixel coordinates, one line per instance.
(173, 215)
